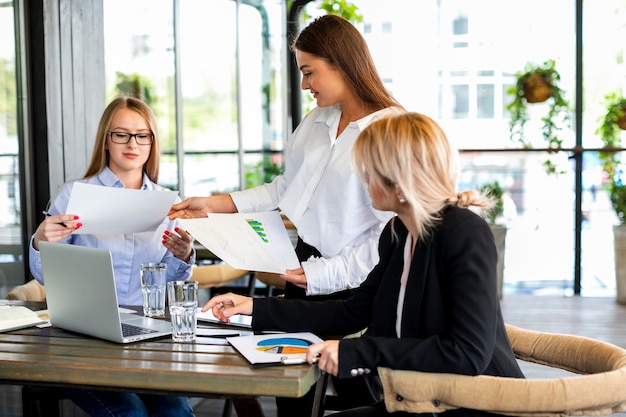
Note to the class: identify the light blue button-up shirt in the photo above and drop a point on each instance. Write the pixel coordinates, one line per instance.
(127, 250)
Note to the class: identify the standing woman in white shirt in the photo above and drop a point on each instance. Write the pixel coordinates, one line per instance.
(319, 191)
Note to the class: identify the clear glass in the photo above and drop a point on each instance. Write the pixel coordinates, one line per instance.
(11, 256)
(183, 304)
(153, 276)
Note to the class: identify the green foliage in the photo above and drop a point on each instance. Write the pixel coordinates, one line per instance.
(610, 133)
(134, 85)
(343, 8)
(262, 173)
(618, 201)
(494, 192)
(8, 97)
(558, 108)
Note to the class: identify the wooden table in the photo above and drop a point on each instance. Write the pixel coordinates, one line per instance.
(54, 357)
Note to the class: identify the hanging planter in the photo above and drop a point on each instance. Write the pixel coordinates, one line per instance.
(539, 84)
(537, 88)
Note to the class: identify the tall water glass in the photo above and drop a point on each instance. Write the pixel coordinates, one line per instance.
(153, 276)
(183, 302)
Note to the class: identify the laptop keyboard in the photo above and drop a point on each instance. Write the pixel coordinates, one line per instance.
(130, 330)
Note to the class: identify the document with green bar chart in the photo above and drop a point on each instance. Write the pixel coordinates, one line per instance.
(249, 241)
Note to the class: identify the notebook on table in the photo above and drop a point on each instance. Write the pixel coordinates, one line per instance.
(81, 295)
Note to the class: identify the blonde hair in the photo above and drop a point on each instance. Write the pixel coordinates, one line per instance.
(410, 151)
(100, 156)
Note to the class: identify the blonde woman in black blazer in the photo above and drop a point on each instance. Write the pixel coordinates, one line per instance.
(431, 303)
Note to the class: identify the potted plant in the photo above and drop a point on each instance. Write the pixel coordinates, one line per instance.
(610, 130)
(493, 214)
(538, 84)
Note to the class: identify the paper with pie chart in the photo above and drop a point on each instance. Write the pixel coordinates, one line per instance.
(248, 241)
(274, 348)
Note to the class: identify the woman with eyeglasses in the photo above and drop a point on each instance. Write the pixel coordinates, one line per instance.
(126, 155)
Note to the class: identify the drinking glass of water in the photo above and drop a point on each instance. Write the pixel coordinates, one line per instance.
(183, 302)
(153, 276)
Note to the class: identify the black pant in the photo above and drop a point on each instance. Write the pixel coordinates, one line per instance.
(350, 392)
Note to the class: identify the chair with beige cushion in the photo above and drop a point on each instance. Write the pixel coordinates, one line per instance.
(31, 291)
(599, 389)
(272, 281)
(219, 275)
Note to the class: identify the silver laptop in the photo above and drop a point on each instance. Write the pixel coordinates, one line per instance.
(81, 296)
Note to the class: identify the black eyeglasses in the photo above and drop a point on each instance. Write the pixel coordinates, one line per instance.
(123, 138)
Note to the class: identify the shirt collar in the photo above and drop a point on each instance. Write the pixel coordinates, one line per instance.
(331, 113)
(109, 179)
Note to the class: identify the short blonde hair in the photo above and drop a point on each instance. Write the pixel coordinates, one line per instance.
(100, 156)
(410, 151)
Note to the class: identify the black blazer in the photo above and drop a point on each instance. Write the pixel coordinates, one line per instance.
(451, 319)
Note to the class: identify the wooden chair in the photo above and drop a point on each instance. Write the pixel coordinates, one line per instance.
(597, 390)
(219, 275)
(272, 281)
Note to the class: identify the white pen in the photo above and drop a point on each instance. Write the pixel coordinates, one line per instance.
(295, 361)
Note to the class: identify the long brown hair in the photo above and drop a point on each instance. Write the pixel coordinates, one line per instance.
(336, 40)
(100, 156)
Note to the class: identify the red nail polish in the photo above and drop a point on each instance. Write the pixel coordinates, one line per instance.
(78, 225)
(167, 232)
(75, 217)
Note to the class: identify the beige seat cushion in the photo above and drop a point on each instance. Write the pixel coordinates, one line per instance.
(269, 278)
(600, 389)
(31, 291)
(216, 275)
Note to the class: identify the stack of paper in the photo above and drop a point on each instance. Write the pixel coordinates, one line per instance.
(17, 317)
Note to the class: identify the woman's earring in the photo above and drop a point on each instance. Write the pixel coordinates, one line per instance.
(402, 200)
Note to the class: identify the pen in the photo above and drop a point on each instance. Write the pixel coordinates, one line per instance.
(295, 361)
(45, 213)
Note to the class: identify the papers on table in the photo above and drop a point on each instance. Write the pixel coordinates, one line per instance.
(107, 210)
(17, 317)
(274, 349)
(248, 241)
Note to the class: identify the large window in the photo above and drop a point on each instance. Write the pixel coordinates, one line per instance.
(212, 72)
(455, 62)
(215, 72)
(11, 257)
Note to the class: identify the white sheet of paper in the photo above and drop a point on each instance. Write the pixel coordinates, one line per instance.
(107, 210)
(249, 241)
